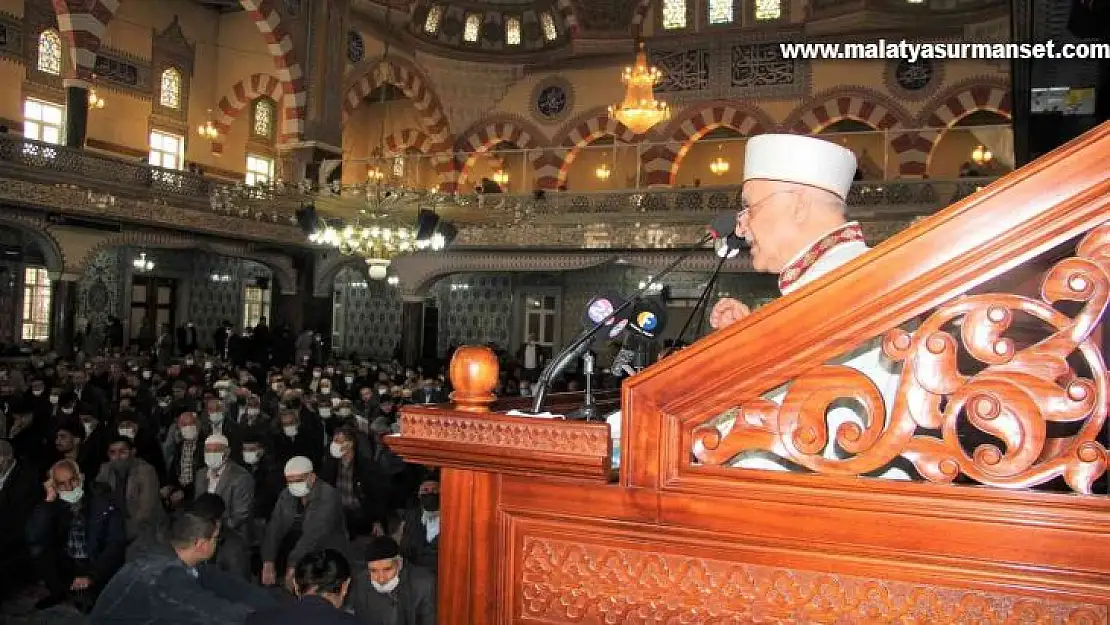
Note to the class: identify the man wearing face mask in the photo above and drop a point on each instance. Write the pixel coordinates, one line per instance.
(76, 538)
(218, 423)
(351, 471)
(308, 516)
(184, 452)
(134, 486)
(420, 527)
(174, 585)
(235, 486)
(393, 591)
(267, 478)
(89, 394)
(297, 438)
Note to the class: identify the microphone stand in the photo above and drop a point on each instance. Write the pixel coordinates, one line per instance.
(579, 344)
(703, 300)
(588, 411)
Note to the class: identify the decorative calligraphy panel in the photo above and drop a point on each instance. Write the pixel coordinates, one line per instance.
(123, 72)
(683, 70)
(750, 66)
(761, 67)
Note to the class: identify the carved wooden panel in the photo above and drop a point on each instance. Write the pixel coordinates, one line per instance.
(1016, 401)
(568, 581)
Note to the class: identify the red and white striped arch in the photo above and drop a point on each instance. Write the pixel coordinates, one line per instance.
(661, 162)
(241, 95)
(863, 106)
(416, 87)
(487, 134)
(280, 44)
(411, 139)
(944, 111)
(81, 24)
(552, 166)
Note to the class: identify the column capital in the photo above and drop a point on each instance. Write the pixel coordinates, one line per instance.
(77, 83)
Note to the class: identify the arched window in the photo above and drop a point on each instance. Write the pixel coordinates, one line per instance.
(431, 23)
(470, 29)
(674, 14)
(170, 96)
(512, 31)
(720, 12)
(768, 10)
(262, 124)
(50, 52)
(548, 24)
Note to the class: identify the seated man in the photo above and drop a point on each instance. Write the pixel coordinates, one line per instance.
(172, 586)
(235, 487)
(391, 592)
(308, 517)
(320, 580)
(420, 527)
(76, 538)
(134, 486)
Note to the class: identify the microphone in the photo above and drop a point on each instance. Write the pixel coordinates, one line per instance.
(727, 248)
(721, 225)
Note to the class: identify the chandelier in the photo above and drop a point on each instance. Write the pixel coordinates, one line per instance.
(981, 155)
(719, 166)
(640, 110)
(95, 101)
(500, 177)
(603, 172)
(208, 130)
(142, 264)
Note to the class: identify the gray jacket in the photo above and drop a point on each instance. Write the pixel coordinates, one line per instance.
(236, 488)
(142, 501)
(414, 598)
(158, 589)
(323, 525)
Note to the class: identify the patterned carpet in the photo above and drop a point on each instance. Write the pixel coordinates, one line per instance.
(20, 610)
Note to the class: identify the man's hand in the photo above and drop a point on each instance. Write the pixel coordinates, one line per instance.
(177, 497)
(51, 491)
(289, 579)
(727, 312)
(80, 583)
(269, 576)
(377, 530)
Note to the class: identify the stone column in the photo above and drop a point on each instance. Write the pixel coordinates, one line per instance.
(77, 112)
(412, 330)
(63, 313)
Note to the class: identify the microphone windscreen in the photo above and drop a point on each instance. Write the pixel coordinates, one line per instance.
(648, 318)
(600, 308)
(723, 224)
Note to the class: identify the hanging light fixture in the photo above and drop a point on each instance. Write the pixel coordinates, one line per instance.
(95, 101)
(719, 166)
(500, 177)
(981, 155)
(208, 130)
(640, 110)
(603, 172)
(142, 263)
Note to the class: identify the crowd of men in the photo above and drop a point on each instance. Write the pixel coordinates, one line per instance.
(203, 491)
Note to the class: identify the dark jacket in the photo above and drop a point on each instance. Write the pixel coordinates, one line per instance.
(105, 536)
(308, 610)
(269, 483)
(323, 525)
(414, 541)
(18, 498)
(371, 487)
(159, 588)
(414, 598)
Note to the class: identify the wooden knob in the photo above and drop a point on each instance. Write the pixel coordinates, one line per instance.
(474, 373)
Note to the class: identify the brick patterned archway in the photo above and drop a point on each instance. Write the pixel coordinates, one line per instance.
(553, 165)
(239, 97)
(288, 69)
(661, 162)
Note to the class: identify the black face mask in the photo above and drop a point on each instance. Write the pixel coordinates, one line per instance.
(430, 502)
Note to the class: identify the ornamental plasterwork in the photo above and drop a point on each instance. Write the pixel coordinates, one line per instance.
(468, 90)
(125, 72)
(11, 36)
(552, 99)
(79, 202)
(742, 66)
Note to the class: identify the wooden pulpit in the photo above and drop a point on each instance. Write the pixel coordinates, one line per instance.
(1005, 517)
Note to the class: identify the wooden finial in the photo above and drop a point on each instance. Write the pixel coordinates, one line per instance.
(474, 372)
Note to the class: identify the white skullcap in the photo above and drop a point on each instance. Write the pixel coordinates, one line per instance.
(802, 160)
(216, 439)
(298, 465)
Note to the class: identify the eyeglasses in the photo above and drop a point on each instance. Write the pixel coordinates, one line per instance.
(747, 208)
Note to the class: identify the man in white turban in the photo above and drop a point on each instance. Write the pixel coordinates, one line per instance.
(793, 216)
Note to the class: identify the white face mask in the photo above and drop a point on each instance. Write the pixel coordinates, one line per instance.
(146, 375)
(348, 378)
(276, 387)
(325, 390)
(67, 410)
(325, 413)
(213, 460)
(253, 412)
(89, 426)
(189, 432)
(189, 362)
(336, 450)
(290, 430)
(54, 399)
(383, 391)
(216, 417)
(207, 365)
(299, 489)
(163, 404)
(315, 374)
(72, 496)
(387, 587)
(251, 457)
(344, 412)
(36, 392)
(127, 432)
(223, 393)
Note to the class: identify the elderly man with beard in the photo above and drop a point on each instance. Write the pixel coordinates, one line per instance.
(392, 591)
(793, 216)
(134, 486)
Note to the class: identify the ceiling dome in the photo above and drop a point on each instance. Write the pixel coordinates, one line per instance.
(495, 26)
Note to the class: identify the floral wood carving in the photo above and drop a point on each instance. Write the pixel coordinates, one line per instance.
(556, 436)
(1013, 398)
(572, 582)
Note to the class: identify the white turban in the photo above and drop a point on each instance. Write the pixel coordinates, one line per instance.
(216, 439)
(801, 160)
(298, 465)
